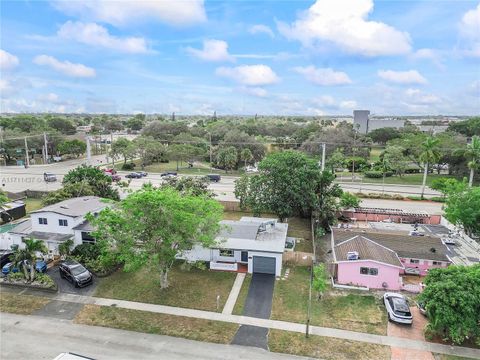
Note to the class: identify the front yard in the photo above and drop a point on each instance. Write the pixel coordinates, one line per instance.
(21, 304)
(196, 289)
(341, 310)
(153, 323)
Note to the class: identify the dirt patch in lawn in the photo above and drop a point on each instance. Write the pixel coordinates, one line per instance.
(21, 304)
(152, 323)
(195, 289)
(348, 311)
(325, 348)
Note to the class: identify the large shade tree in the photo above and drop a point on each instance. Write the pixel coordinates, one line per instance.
(99, 182)
(152, 226)
(462, 208)
(452, 302)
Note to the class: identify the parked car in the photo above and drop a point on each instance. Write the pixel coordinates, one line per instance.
(168, 173)
(114, 177)
(8, 267)
(76, 273)
(398, 309)
(213, 177)
(49, 177)
(133, 175)
(421, 308)
(111, 171)
(142, 173)
(5, 257)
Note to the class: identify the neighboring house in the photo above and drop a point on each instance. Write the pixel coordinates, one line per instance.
(59, 222)
(378, 260)
(253, 245)
(12, 211)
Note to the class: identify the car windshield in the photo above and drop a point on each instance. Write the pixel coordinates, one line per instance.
(78, 270)
(400, 307)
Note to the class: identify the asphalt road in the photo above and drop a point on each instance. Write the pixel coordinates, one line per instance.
(258, 304)
(36, 337)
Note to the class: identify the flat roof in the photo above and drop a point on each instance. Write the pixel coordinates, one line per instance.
(79, 206)
(245, 234)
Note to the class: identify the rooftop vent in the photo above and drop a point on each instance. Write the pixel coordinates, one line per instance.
(352, 255)
(264, 226)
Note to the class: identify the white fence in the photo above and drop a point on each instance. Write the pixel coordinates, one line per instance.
(223, 266)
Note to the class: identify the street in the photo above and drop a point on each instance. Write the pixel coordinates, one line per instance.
(35, 337)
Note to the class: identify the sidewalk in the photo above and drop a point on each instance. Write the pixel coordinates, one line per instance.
(276, 324)
(232, 297)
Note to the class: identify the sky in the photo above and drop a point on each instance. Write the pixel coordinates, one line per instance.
(324, 57)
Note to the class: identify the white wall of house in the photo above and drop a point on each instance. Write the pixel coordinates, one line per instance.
(277, 256)
(8, 239)
(198, 253)
(53, 225)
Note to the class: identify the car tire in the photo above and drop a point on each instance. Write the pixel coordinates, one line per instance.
(389, 318)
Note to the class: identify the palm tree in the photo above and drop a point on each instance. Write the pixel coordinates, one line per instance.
(29, 253)
(246, 155)
(429, 155)
(473, 153)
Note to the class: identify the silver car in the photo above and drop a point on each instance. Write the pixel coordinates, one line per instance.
(397, 308)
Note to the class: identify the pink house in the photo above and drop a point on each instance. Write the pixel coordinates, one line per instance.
(378, 260)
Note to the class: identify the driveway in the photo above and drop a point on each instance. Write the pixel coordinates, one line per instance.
(64, 286)
(258, 304)
(413, 332)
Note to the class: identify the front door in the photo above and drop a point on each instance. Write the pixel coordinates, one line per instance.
(244, 256)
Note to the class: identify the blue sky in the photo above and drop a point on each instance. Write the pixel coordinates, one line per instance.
(324, 57)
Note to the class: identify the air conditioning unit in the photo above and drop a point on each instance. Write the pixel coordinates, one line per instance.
(352, 255)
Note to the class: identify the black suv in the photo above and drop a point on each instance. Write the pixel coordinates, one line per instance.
(213, 177)
(75, 273)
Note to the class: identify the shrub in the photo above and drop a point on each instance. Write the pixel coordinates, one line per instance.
(128, 166)
(44, 280)
(16, 277)
(373, 174)
(86, 252)
(65, 247)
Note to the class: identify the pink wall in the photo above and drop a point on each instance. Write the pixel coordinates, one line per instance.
(349, 274)
(432, 219)
(423, 265)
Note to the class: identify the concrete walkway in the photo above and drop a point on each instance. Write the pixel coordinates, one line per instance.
(279, 325)
(233, 296)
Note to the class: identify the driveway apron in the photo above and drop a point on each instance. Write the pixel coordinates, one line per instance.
(258, 304)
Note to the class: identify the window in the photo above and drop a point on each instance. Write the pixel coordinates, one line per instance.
(42, 221)
(414, 261)
(438, 263)
(369, 271)
(228, 253)
(87, 237)
(62, 222)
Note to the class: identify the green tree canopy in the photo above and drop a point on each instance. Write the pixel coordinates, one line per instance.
(73, 147)
(152, 226)
(227, 158)
(452, 301)
(100, 183)
(463, 208)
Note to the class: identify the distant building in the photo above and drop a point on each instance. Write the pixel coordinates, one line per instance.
(364, 125)
(361, 120)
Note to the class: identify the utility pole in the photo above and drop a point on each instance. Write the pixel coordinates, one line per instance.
(89, 151)
(215, 116)
(173, 116)
(46, 147)
(27, 160)
(111, 145)
(323, 156)
(210, 135)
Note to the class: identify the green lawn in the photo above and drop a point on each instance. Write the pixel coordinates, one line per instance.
(21, 304)
(375, 154)
(196, 289)
(407, 179)
(33, 204)
(153, 323)
(342, 310)
(242, 296)
(325, 348)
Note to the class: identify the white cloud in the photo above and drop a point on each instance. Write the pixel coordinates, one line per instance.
(119, 13)
(7, 60)
(348, 104)
(345, 23)
(213, 50)
(261, 29)
(323, 76)
(402, 77)
(255, 91)
(50, 97)
(65, 67)
(250, 75)
(418, 97)
(429, 54)
(97, 35)
(327, 101)
(324, 100)
(470, 31)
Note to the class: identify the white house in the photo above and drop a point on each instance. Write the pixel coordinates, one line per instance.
(59, 222)
(253, 245)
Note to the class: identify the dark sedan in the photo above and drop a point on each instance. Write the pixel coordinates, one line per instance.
(133, 175)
